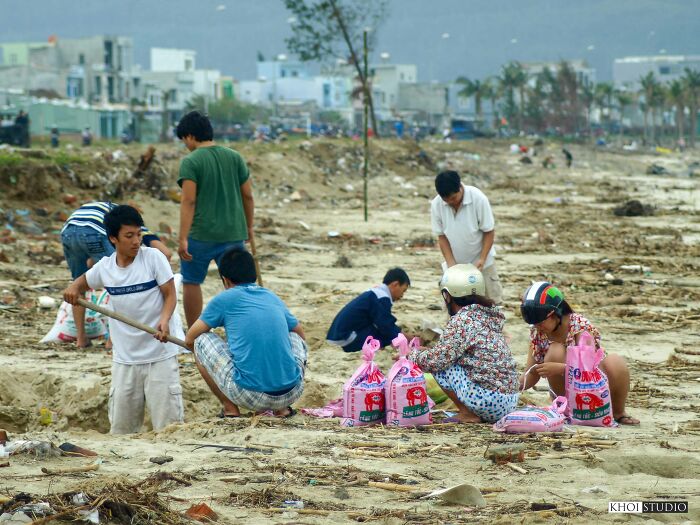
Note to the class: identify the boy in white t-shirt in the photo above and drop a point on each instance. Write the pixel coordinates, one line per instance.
(140, 283)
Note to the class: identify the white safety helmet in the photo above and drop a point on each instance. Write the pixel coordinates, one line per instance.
(462, 280)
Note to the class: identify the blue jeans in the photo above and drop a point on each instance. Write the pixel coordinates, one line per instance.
(81, 243)
(202, 252)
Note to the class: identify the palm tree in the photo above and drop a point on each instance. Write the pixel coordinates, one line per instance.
(473, 88)
(587, 96)
(568, 85)
(691, 81)
(624, 100)
(536, 109)
(658, 100)
(513, 77)
(493, 93)
(676, 97)
(648, 83)
(603, 99)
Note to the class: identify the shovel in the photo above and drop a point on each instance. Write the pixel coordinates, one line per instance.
(129, 321)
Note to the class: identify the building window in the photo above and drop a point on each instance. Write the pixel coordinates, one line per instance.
(109, 53)
(81, 59)
(13, 59)
(188, 64)
(401, 76)
(664, 70)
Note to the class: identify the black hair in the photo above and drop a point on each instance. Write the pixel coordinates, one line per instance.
(447, 183)
(566, 308)
(397, 274)
(238, 266)
(195, 124)
(119, 216)
(473, 299)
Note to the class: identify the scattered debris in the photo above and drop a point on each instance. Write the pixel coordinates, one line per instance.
(342, 262)
(655, 169)
(161, 460)
(633, 208)
(202, 512)
(462, 494)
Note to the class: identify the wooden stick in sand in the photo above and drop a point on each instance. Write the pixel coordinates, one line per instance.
(124, 319)
(72, 470)
(254, 253)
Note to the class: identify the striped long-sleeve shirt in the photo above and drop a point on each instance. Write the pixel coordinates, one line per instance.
(93, 214)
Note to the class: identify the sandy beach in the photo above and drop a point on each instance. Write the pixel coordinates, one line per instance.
(636, 277)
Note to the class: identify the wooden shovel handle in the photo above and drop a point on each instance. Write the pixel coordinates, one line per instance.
(129, 321)
(254, 253)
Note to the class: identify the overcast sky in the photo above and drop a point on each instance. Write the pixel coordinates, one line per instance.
(483, 34)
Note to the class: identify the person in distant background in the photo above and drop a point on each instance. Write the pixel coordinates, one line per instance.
(569, 157)
(87, 137)
(54, 136)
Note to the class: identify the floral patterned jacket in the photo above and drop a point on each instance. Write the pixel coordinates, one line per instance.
(539, 343)
(473, 339)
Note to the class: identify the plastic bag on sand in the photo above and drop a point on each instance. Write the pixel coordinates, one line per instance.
(406, 396)
(63, 329)
(363, 393)
(587, 388)
(334, 408)
(435, 393)
(534, 419)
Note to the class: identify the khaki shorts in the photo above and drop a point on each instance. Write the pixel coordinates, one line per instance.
(156, 385)
(493, 284)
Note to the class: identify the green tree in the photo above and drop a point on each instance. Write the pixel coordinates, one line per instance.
(513, 78)
(536, 107)
(228, 111)
(658, 100)
(328, 29)
(624, 100)
(649, 85)
(691, 81)
(492, 93)
(477, 89)
(603, 99)
(676, 99)
(587, 98)
(568, 86)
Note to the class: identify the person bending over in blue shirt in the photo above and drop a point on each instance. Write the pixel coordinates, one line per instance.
(370, 314)
(261, 364)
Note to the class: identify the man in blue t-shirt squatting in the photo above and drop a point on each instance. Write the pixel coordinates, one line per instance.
(261, 364)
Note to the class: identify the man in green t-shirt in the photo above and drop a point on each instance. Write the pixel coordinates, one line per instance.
(216, 208)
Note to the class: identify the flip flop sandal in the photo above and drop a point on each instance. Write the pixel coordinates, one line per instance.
(458, 421)
(225, 416)
(292, 413)
(626, 420)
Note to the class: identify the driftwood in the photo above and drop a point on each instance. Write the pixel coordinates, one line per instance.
(72, 470)
(394, 487)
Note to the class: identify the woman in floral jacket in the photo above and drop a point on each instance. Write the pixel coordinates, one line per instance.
(472, 361)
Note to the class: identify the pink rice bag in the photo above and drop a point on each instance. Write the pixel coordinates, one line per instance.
(406, 396)
(534, 419)
(587, 388)
(363, 393)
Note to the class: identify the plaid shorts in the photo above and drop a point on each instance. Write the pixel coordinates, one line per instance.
(213, 354)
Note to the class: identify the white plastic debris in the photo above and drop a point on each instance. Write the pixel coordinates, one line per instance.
(46, 302)
(462, 494)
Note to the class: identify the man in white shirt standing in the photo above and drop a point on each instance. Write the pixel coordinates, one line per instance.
(462, 219)
(140, 282)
